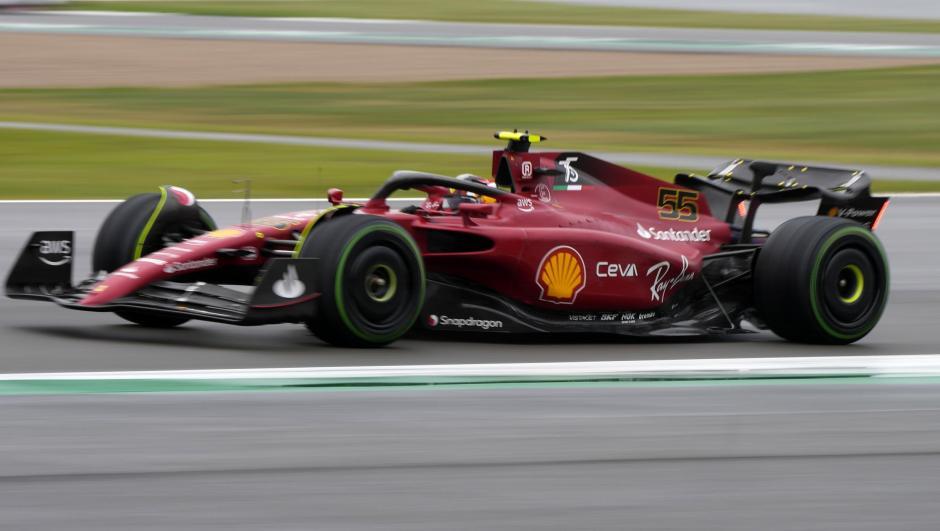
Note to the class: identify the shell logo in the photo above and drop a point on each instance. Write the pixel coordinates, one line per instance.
(560, 275)
(833, 212)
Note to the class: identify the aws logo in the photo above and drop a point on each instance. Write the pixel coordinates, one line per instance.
(560, 275)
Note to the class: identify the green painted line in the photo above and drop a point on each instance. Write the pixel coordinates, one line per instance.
(112, 386)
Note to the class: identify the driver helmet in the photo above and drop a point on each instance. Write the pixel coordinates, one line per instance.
(459, 196)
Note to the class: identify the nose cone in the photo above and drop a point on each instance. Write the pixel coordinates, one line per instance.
(190, 256)
(125, 281)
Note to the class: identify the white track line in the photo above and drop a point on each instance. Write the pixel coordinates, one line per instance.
(910, 194)
(906, 365)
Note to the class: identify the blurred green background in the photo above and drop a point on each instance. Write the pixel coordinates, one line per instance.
(886, 116)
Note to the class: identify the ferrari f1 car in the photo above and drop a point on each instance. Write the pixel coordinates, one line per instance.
(561, 242)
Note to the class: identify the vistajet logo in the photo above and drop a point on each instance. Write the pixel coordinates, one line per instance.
(692, 235)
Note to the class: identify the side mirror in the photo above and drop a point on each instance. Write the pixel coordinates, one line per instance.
(474, 210)
(477, 210)
(334, 196)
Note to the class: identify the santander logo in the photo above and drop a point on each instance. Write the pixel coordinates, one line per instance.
(694, 234)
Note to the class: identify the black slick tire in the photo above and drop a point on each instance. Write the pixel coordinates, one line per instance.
(116, 244)
(372, 280)
(821, 280)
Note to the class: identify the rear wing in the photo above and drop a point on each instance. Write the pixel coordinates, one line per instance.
(739, 187)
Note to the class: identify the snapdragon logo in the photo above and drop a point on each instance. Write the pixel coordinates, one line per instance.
(462, 322)
(673, 235)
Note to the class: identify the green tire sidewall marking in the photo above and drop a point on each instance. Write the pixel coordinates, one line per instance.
(142, 239)
(338, 282)
(859, 284)
(814, 275)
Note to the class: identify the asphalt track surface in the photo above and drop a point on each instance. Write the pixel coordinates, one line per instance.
(525, 36)
(726, 457)
(39, 337)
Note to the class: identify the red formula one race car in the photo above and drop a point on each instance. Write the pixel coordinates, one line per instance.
(562, 243)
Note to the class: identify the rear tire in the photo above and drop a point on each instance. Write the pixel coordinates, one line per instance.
(372, 280)
(821, 280)
(116, 245)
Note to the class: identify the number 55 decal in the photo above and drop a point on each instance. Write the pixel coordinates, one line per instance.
(677, 205)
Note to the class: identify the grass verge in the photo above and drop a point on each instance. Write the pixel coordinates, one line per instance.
(40, 165)
(512, 11)
(75, 166)
(885, 116)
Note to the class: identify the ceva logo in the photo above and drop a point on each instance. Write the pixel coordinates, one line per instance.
(560, 275)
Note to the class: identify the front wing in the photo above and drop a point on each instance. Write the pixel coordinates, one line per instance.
(284, 291)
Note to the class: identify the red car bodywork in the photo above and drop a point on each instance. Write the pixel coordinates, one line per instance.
(577, 234)
(567, 243)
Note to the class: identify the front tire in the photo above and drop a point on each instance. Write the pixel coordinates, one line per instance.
(372, 280)
(821, 280)
(117, 245)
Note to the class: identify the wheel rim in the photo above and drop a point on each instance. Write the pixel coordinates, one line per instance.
(851, 287)
(851, 284)
(378, 288)
(381, 283)
(374, 250)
